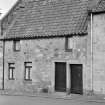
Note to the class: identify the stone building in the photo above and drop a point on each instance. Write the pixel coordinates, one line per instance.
(53, 46)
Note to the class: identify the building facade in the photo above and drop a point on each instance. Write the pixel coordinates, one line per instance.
(53, 46)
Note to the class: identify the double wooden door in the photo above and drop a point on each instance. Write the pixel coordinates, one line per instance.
(75, 80)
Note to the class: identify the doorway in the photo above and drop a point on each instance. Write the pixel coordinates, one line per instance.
(60, 76)
(76, 79)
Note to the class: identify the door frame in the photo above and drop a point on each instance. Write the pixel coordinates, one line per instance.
(53, 75)
(68, 72)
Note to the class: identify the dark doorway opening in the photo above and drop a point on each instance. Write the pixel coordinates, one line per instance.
(60, 76)
(76, 78)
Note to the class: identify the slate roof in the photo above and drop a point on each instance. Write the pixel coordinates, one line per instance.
(100, 7)
(45, 18)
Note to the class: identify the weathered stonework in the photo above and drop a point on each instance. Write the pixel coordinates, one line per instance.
(43, 53)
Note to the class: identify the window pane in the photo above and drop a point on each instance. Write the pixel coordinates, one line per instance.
(16, 45)
(28, 66)
(11, 65)
(10, 74)
(11, 71)
(26, 76)
(70, 43)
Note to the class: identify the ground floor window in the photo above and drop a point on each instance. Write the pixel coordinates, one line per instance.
(11, 69)
(28, 66)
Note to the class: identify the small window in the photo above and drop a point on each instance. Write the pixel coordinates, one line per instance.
(69, 43)
(28, 66)
(11, 69)
(16, 45)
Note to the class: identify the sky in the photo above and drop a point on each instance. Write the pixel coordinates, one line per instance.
(5, 5)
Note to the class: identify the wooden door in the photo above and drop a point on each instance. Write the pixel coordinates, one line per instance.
(76, 78)
(60, 76)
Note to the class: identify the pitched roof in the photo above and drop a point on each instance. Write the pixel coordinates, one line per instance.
(42, 18)
(100, 7)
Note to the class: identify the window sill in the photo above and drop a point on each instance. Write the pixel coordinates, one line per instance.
(69, 50)
(28, 79)
(16, 50)
(11, 78)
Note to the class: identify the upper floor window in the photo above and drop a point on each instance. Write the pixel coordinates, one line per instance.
(28, 66)
(11, 69)
(69, 43)
(16, 45)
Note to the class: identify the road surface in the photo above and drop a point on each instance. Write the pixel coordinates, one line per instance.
(26, 100)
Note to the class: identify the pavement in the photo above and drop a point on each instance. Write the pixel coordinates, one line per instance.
(62, 96)
(43, 99)
(99, 99)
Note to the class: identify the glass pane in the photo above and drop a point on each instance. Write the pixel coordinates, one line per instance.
(26, 76)
(28, 64)
(17, 45)
(10, 73)
(11, 65)
(70, 43)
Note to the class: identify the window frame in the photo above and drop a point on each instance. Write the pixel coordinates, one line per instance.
(67, 46)
(27, 69)
(15, 44)
(11, 68)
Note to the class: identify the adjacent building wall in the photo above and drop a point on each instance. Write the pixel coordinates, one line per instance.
(99, 53)
(88, 70)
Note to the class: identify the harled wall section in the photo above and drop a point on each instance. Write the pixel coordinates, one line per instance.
(42, 53)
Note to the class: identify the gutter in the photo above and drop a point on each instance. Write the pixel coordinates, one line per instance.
(3, 64)
(92, 52)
